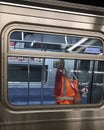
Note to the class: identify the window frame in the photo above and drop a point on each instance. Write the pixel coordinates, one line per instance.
(37, 28)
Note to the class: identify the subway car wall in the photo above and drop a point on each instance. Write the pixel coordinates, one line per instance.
(51, 65)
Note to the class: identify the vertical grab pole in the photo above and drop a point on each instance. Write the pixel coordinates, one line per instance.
(92, 78)
(28, 68)
(42, 82)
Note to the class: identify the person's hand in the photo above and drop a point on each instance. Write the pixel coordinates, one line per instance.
(84, 90)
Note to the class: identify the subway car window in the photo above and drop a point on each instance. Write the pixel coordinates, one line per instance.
(55, 43)
(51, 81)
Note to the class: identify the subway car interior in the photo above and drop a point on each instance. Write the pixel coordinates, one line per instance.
(31, 80)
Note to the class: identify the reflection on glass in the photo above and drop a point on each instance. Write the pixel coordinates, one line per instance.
(31, 81)
(55, 43)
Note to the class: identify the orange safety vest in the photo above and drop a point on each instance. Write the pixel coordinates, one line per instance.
(66, 89)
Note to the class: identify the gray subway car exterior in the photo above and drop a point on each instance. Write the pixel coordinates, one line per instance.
(33, 40)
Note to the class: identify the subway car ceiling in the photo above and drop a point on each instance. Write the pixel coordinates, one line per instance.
(71, 5)
(57, 43)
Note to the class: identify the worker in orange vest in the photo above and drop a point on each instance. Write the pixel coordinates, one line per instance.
(65, 89)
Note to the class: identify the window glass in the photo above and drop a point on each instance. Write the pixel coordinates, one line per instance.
(55, 43)
(44, 81)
